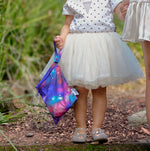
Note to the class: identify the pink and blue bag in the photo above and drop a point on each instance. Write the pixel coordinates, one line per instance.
(55, 91)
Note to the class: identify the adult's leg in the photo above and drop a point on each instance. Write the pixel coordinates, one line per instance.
(80, 107)
(146, 52)
(99, 106)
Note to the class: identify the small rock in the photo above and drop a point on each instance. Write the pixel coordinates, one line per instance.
(29, 134)
(138, 118)
(37, 142)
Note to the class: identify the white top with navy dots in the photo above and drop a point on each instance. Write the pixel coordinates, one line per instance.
(91, 15)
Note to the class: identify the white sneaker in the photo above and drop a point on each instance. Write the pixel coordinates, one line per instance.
(79, 137)
(99, 135)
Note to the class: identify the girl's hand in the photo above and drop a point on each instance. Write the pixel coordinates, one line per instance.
(59, 42)
(123, 9)
(118, 11)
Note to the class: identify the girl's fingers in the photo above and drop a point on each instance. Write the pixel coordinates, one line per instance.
(58, 38)
(124, 8)
(59, 45)
(59, 42)
(123, 12)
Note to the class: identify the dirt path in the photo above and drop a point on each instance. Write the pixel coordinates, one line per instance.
(122, 102)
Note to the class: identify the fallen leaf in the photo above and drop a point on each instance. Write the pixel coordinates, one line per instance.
(145, 130)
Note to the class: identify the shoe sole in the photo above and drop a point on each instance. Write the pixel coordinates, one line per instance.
(101, 140)
(78, 142)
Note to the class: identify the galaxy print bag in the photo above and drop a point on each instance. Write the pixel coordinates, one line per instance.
(54, 90)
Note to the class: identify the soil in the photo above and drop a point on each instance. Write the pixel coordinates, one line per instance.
(38, 128)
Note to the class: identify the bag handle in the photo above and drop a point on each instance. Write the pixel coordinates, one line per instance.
(57, 53)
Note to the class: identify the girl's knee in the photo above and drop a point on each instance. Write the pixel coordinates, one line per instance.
(148, 71)
(146, 43)
(148, 77)
(82, 90)
(100, 91)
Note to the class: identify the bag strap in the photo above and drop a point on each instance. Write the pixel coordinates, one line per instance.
(57, 53)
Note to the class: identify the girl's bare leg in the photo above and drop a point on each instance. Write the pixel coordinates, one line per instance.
(99, 106)
(146, 52)
(80, 107)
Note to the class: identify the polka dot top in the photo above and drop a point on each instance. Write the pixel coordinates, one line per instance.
(91, 15)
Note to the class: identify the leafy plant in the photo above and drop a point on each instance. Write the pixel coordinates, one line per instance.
(27, 27)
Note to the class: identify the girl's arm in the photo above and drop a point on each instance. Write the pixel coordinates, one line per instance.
(60, 40)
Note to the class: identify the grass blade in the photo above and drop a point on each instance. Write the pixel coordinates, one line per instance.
(8, 140)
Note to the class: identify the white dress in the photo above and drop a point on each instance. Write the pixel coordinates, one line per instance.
(137, 22)
(94, 55)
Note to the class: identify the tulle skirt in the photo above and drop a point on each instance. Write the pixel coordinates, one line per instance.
(137, 21)
(91, 60)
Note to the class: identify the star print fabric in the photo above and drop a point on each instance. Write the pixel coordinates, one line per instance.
(91, 15)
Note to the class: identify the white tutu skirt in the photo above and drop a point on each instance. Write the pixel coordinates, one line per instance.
(91, 60)
(137, 21)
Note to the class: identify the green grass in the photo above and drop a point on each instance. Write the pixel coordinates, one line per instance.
(12, 145)
(82, 147)
(27, 29)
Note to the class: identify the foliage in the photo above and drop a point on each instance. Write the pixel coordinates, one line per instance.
(27, 27)
(26, 31)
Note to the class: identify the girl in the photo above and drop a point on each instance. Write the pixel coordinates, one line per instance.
(93, 57)
(137, 29)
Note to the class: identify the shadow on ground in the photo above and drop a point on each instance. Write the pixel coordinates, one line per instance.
(81, 147)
